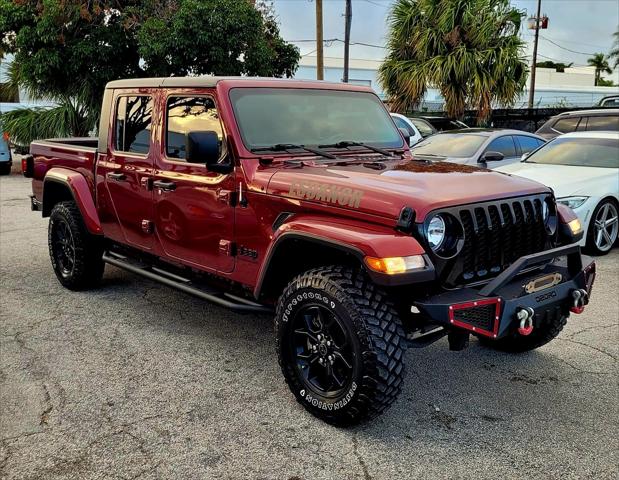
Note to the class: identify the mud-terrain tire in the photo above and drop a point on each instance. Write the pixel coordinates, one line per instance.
(540, 336)
(76, 254)
(357, 327)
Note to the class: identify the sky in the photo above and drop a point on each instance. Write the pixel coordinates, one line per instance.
(583, 26)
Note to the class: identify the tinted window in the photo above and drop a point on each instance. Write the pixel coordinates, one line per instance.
(268, 116)
(425, 129)
(133, 124)
(608, 122)
(402, 124)
(528, 144)
(586, 152)
(189, 114)
(611, 102)
(450, 145)
(504, 145)
(566, 125)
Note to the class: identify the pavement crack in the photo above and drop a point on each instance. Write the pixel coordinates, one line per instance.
(364, 467)
(48, 406)
(570, 340)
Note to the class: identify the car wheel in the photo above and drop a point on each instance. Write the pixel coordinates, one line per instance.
(76, 254)
(340, 345)
(603, 227)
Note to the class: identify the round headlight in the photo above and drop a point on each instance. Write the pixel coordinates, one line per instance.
(436, 232)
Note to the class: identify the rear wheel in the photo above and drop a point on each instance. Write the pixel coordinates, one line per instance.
(603, 227)
(340, 345)
(76, 254)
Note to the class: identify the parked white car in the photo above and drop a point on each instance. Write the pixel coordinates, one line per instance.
(405, 123)
(583, 170)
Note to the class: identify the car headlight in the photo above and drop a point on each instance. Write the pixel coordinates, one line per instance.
(572, 202)
(436, 232)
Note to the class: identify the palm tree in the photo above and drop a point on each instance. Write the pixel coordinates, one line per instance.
(468, 49)
(600, 62)
(614, 53)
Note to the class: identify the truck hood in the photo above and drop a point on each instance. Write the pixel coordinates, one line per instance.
(384, 189)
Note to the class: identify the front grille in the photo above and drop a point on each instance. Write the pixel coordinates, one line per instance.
(495, 235)
(481, 317)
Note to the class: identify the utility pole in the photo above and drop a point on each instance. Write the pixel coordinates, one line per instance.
(319, 43)
(348, 20)
(532, 85)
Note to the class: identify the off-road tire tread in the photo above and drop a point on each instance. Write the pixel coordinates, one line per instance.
(517, 343)
(377, 325)
(89, 265)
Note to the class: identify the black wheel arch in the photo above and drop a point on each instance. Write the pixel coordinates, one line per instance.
(55, 191)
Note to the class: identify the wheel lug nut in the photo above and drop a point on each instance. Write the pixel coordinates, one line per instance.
(328, 343)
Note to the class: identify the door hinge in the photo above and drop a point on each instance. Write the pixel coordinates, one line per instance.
(227, 247)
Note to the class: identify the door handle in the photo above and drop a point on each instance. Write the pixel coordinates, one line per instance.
(119, 177)
(164, 185)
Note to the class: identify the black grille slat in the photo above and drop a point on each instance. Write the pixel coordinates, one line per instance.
(495, 235)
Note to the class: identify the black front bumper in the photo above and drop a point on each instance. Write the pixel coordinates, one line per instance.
(492, 310)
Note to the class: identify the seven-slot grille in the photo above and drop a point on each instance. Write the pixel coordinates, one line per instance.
(498, 233)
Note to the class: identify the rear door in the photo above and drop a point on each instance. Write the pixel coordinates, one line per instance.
(126, 209)
(194, 215)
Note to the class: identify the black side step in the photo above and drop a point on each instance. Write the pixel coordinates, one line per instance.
(426, 339)
(224, 299)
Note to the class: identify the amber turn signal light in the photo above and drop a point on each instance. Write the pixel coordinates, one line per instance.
(575, 226)
(395, 265)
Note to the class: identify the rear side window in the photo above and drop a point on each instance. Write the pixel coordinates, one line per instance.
(402, 124)
(189, 114)
(504, 145)
(133, 124)
(566, 125)
(528, 144)
(608, 123)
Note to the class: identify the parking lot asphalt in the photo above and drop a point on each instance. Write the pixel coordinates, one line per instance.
(135, 380)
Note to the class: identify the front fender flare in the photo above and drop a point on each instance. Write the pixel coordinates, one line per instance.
(353, 237)
(81, 192)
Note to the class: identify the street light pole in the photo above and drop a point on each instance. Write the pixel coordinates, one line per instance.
(532, 84)
(319, 43)
(348, 20)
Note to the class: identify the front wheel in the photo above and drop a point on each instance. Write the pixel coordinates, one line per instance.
(603, 227)
(340, 345)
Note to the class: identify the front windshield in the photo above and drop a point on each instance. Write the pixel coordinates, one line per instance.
(579, 152)
(271, 116)
(450, 145)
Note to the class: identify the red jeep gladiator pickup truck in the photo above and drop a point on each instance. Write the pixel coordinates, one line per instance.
(302, 199)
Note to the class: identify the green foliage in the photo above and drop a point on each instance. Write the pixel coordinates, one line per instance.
(614, 53)
(468, 49)
(558, 66)
(600, 62)
(67, 50)
(602, 82)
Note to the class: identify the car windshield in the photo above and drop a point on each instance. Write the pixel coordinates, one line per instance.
(272, 116)
(450, 145)
(425, 129)
(579, 152)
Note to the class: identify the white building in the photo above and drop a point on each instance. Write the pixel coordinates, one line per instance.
(572, 88)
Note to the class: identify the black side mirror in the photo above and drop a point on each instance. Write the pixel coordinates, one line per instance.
(491, 157)
(203, 147)
(406, 135)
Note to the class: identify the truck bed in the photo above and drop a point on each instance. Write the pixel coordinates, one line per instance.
(74, 153)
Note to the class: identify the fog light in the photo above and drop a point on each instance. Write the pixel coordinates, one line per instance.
(395, 265)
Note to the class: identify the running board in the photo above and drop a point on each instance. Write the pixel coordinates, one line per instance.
(218, 297)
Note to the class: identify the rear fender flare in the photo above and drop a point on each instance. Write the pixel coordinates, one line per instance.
(78, 187)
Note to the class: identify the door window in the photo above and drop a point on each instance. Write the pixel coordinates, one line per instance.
(528, 144)
(566, 125)
(190, 114)
(133, 124)
(607, 123)
(504, 145)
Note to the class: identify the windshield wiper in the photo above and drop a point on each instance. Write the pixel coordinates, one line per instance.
(349, 143)
(283, 147)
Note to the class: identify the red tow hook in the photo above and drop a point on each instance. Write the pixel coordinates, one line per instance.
(581, 298)
(525, 315)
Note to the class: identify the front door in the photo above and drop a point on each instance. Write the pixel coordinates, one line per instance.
(126, 204)
(194, 215)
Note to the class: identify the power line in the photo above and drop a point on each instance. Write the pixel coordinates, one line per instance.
(565, 48)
